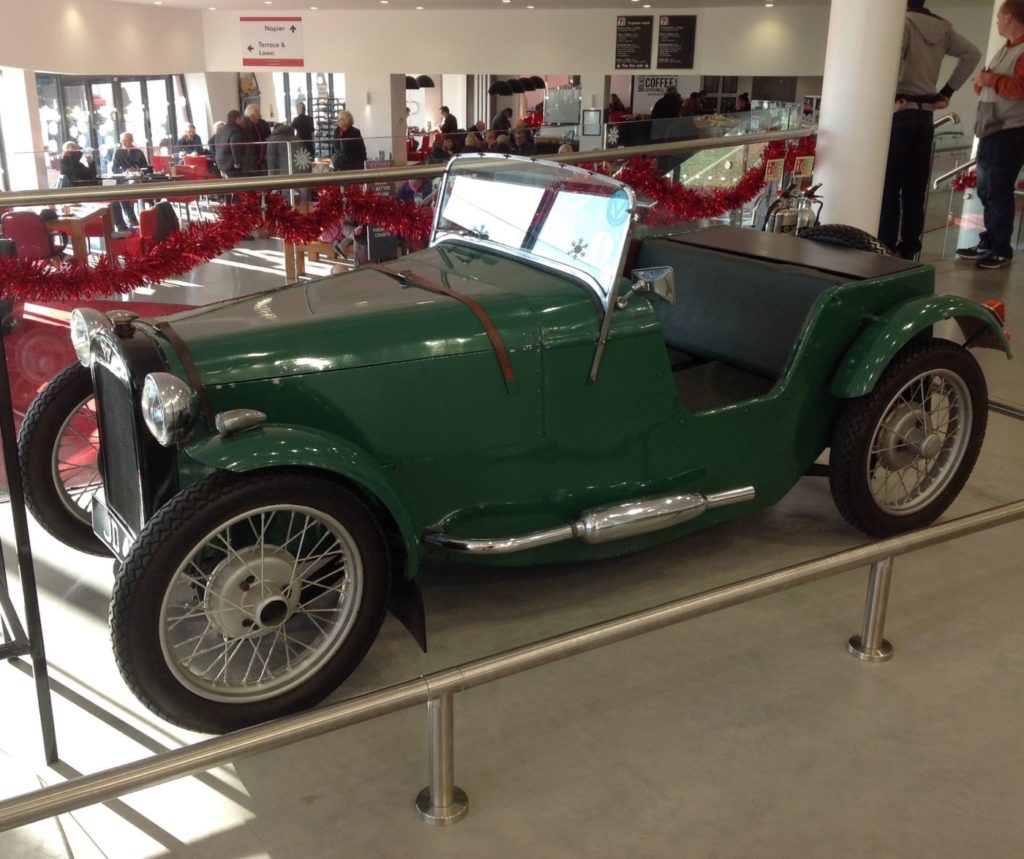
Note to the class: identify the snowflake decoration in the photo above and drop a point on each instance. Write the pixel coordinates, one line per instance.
(578, 248)
(613, 135)
(303, 160)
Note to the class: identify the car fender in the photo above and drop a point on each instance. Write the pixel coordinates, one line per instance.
(875, 347)
(278, 445)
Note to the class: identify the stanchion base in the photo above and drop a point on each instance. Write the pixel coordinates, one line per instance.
(866, 654)
(442, 816)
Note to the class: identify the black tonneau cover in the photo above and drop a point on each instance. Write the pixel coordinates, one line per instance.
(792, 250)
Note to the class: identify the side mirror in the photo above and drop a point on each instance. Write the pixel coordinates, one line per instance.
(660, 281)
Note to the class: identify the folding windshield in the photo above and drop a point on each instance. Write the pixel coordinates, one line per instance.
(562, 217)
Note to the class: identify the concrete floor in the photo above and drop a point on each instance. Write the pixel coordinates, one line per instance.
(750, 732)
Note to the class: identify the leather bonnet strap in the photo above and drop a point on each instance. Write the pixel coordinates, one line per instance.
(500, 352)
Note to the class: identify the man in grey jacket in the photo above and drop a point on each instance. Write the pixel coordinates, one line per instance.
(927, 39)
(1000, 131)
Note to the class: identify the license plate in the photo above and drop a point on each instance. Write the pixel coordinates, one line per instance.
(111, 530)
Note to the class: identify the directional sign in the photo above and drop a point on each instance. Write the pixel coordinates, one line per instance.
(271, 41)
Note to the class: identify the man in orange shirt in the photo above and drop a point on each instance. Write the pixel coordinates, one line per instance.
(1000, 131)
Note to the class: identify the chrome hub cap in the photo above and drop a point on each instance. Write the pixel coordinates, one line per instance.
(919, 442)
(250, 594)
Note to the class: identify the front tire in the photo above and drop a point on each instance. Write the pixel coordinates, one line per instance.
(58, 449)
(902, 453)
(249, 597)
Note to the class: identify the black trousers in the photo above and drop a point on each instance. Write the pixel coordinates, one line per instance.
(907, 172)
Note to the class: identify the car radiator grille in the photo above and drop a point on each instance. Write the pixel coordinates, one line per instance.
(122, 469)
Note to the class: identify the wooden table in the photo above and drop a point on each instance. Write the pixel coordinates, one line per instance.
(77, 221)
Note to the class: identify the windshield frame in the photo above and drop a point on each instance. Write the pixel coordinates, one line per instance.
(604, 282)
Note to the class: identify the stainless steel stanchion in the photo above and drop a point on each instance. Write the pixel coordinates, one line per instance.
(441, 802)
(870, 646)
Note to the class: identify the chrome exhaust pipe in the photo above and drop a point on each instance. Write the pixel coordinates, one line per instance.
(602, 525)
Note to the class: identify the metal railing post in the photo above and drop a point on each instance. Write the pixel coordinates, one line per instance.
(442, 802)
(870, 646)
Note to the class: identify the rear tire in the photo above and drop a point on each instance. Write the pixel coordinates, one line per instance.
(844, 236)
(902, 453)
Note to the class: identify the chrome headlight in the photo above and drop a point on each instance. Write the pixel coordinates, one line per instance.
(169, 407)
(85, 322)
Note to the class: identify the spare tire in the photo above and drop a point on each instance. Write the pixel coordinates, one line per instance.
(847, 237)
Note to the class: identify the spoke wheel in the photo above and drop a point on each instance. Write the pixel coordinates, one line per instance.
(58, 448)
(248, 597)
(901, 454)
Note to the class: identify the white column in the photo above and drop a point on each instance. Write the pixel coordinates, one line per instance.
(861, 66)
(23, 137)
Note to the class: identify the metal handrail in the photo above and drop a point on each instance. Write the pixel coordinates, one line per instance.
(158, 190)
(442, 802)
(967, 165)
(1014, 410)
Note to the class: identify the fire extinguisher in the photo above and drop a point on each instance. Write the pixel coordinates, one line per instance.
(793, 210)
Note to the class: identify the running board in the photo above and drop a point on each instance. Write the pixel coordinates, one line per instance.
(601, 525)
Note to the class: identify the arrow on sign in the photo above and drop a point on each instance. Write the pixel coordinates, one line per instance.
(293, 28)
(250, 49)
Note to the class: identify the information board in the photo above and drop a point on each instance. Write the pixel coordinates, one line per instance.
(271, 42)
(634, 36)
(677, 35)
(381, 244)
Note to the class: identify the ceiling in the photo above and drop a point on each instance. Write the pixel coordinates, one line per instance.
(464, 5)
(476, 5)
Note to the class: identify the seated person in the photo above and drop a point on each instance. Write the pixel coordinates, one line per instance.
(76, 168)
(522, 143)
(419, 192)
(189, 143)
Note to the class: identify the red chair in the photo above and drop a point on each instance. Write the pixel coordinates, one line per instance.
(195, 167)
(137, 245)
(199, 165)
(414, 156)
(161, 163)
(32, 239)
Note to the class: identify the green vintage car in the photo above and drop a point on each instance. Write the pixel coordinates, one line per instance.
(541, 384)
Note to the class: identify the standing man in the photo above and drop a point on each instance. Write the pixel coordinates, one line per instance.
(927, 38)
(232, 147)
(127, 159)
(1000, 131)
(448, 122)
(668, 105)
(303, 125)
(502, 121)
(258, 131)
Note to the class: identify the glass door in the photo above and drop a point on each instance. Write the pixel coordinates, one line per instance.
(104, 124)
(161, 123)
(133, 113)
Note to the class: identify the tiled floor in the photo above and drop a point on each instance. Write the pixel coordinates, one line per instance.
(746, 733)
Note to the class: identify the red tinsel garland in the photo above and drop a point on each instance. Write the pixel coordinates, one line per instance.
(34, 280)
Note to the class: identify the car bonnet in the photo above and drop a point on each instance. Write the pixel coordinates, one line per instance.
(371, 316)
